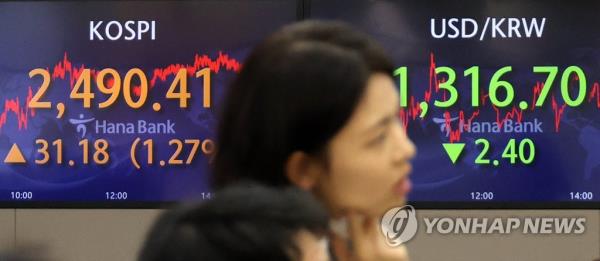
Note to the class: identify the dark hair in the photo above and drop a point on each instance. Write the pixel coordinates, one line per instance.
(243, 222)
(28, 252)
(295, 91)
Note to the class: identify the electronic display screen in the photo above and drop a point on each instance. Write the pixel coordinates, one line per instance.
(115, 101)
(501, 98)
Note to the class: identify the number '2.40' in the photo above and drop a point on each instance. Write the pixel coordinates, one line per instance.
(510, 152)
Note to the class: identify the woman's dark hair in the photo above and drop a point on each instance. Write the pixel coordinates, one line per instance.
(294, 92)
(243, 222)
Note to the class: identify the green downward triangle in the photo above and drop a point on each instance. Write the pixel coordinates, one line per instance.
(453, 150)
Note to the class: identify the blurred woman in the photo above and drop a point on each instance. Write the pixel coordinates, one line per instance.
(315, 106)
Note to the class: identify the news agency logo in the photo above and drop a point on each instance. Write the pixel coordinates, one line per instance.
(399, 225)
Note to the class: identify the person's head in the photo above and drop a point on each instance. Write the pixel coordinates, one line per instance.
(243, 222)
(315, 106)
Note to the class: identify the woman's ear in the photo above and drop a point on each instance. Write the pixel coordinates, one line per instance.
(303, 170)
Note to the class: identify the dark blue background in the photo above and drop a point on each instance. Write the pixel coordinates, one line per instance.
(38, 34)
(566, 161)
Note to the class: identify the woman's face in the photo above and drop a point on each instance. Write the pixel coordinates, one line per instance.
(369, 158)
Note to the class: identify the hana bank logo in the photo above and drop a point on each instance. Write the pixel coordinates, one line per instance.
(443, 126)
(506, 126)
(399, 225)
(80, 124)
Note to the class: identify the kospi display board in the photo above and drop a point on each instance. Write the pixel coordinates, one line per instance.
(113, 103)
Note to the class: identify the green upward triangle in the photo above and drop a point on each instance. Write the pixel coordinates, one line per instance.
(453, 150)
